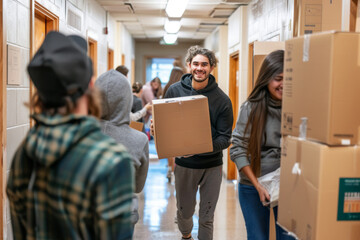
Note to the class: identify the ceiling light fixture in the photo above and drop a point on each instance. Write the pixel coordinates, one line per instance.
(170, 38)
(176, 8)
(172, 26)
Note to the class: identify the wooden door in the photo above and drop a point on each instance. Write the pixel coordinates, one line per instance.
(353, 15)
(42, 22)
(234, 97)
(132, 71)
(123, 59)
(215, 73)
(39, 31)
(110, 59)
(93, 54)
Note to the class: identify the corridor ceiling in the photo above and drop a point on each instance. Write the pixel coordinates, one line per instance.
(145, 19)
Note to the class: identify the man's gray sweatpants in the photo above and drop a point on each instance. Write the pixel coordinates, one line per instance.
(187, 182)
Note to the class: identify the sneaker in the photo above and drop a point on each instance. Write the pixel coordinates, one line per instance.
(190, 238)
(169, 174)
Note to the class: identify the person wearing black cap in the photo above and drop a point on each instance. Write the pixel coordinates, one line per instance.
(68, 180)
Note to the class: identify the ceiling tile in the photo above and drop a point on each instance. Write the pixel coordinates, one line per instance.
(146, 18)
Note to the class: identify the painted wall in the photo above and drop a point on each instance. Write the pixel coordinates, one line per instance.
(18, 32)
(94, 19)
(125, 44)
(259, 21)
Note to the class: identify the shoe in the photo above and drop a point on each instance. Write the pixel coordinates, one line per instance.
(187, 238)
(169, 174)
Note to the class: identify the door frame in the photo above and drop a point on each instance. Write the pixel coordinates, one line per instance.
(110, 55)
(92, 52)
(251, 80)
(234, 97)
(52, 24)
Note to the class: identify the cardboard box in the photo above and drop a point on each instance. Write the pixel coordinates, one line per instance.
(322, 15)
(182, 126)
(321, 83)
(136, 125)
(315, 204)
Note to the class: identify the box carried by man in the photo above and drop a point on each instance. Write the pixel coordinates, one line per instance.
(182, 126)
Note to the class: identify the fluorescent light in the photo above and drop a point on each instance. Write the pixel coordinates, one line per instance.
(172, 26)
(176, 8)
(170, 38)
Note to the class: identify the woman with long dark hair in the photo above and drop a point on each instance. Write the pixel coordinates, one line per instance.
(256, 145)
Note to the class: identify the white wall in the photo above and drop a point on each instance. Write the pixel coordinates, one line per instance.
(18, 32)
(18, 36)
(125, 44)
(259, 21)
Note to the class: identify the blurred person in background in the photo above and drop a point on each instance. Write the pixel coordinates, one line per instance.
(151, 90)
(137, 111)
(123, 70)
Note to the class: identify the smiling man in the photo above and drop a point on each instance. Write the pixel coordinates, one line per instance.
(202, 171)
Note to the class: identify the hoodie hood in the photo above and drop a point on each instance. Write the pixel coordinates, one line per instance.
(116, 97)
(186, 81)
(53, 136)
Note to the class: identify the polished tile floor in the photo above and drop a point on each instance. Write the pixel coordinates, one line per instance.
(157, 209)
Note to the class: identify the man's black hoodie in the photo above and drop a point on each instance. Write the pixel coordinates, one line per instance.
(221, 118)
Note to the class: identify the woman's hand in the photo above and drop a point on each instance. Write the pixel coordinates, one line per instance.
(263, 194)
(148, 106)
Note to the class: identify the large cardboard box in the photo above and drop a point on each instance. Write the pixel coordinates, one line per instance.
(323, 15)
(323, 201)
(322, 83)
(182, 126)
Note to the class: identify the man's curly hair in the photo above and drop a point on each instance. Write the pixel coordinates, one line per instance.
(196, 50)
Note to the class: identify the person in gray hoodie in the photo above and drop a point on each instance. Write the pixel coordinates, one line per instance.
(116, 106)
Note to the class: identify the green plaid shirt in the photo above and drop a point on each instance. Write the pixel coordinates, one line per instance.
(70, 181)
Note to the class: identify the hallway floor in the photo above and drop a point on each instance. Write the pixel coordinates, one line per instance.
(157, 209)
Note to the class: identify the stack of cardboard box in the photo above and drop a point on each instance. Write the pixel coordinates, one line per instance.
(320, 175)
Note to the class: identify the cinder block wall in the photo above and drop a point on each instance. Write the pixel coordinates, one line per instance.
(17, 14)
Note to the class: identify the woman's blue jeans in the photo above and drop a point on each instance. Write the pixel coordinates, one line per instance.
(257, 217)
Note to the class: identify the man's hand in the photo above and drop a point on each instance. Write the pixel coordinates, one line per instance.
(152, 132)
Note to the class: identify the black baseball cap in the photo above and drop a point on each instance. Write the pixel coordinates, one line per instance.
(61, 68)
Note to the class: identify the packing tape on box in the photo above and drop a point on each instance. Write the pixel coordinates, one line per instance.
(288, 232)
(296, 169)
(306, 47)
